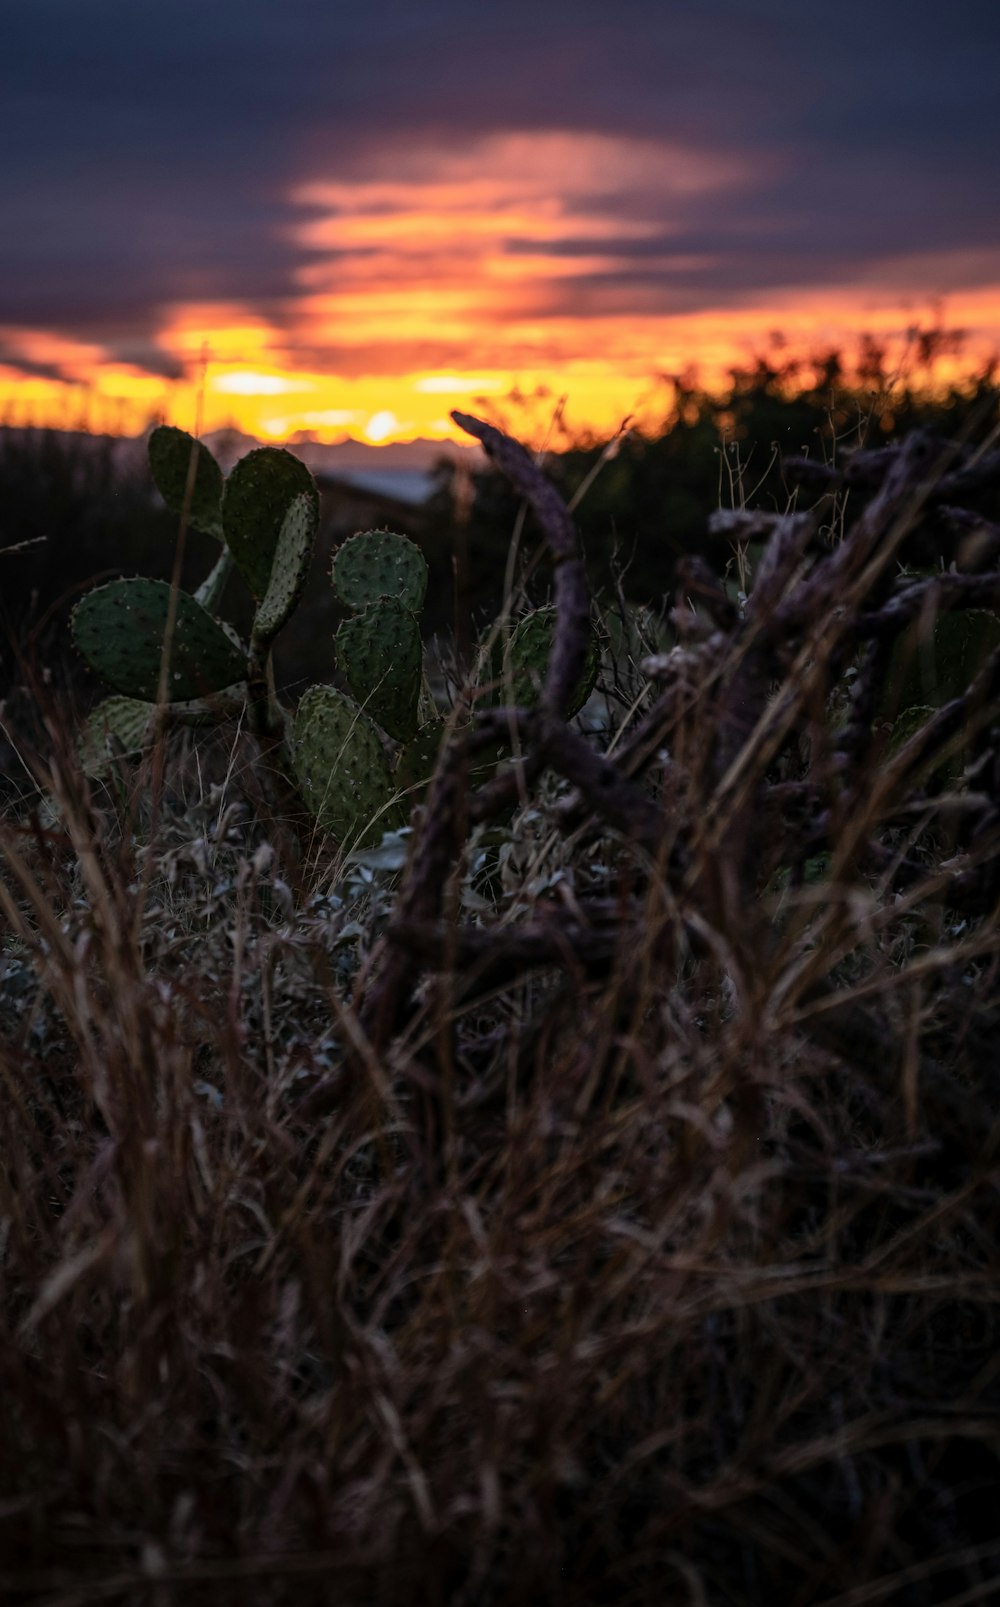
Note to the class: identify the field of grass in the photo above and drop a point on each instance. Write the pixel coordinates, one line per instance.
(588, 1195)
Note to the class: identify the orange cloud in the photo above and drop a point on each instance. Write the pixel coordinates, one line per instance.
(559, 263)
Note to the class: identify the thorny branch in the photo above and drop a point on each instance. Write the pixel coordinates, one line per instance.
(813, 606)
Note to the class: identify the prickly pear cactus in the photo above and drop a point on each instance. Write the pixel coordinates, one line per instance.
(119, 628)
(947, 769)
(170, 461)
(289, 569)
(257, 497)
(118, 725)
(381, 655)
(526, 662)
(268, 515)
(341, 769)
(415, 762)
(382, 578)
(932, 664)
(376, 564)
(332, 754)
(125, 727)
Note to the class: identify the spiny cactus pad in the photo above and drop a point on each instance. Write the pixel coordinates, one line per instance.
(378, 563)
(380, 653)
(914, 719)
(290, 568)
(119, 629)
(342, 771)
(258, 494)
(931, 665)
(118, 723)
(170, 459)
(416, 761)
(527, 660)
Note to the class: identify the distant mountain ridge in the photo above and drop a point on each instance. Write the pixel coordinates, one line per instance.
(403, 469)
(333, 457)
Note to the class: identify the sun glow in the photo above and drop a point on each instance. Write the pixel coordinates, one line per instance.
(382, 426)
(533, 265)
(244, 382)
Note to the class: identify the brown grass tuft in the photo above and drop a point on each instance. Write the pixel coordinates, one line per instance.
(646, 1250)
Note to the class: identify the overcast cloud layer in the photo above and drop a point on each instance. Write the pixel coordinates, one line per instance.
(161, 154)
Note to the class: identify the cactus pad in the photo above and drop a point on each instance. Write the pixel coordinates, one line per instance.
(416, 761)
(290, 568)
(119, 629)
(527, 660)
(380, 653)
(257, 497)
(118, 722)
(342, 771)
(930, 666)
(379, 564)
(914, 719)
(169, 459)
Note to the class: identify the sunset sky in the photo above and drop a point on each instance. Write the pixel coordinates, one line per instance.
(367, 216)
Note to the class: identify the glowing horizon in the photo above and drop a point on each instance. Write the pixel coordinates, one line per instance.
(440, 279)
(278, 402)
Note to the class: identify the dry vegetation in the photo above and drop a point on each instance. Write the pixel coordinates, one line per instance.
(601, 1207)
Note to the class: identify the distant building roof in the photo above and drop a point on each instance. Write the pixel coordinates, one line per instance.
(409, 486)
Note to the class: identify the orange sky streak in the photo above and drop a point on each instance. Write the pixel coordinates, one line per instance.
(467, 274)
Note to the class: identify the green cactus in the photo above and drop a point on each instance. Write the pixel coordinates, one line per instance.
(932, 665)
(341, 768)
(257, 497)
(119, 724)
(382, 578)
(416, 760)
(914, 719)
(290, 568)
(125, 726)
(119, 628)
(381, 655)
(333, 756)
(519, 672)
(376, 564)
(170, 452)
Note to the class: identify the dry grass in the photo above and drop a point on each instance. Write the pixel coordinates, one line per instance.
(653, 1260)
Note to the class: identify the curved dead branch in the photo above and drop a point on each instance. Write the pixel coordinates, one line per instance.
(812, 606)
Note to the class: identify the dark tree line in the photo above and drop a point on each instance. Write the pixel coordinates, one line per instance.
(74, 507)
(650, 504)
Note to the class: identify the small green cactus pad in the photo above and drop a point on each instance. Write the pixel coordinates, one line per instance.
(377, 564)
(909, 723)
(119, 723)
(527, 661)
(342, 771)
(932, 667)
(209, 593)
(170, 460)
(381, 655)
(416, 761)
(638, 633)
(119, 629)
(290, 568)
(257, 497)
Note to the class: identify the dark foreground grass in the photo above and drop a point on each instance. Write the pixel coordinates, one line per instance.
(638, 1244)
